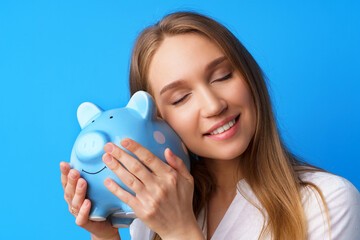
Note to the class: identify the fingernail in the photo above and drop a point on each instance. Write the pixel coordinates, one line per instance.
(107, 158)
(107, 182)
(81, 184)
(108, 148)
(87, 203)
(125, 143)
(171, 153)
(72, 175)
(62, 167)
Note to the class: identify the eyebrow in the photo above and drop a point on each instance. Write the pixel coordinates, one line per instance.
(174, 84)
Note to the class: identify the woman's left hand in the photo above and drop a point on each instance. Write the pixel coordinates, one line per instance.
(164, 196)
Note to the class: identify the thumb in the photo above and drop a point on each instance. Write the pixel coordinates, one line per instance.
(177, 163)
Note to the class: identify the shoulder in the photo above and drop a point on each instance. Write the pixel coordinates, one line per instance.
(335, 189)
(326, 179)
(342, 204)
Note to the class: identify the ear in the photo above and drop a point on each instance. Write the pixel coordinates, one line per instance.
(144, 104)
(87, 111)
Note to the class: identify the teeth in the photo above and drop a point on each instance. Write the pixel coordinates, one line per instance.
(223, 128)
(231, 123)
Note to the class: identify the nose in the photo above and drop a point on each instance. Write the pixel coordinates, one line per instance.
(90, 145)
(211, 103)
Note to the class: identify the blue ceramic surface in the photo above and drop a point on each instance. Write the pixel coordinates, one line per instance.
(137, 121)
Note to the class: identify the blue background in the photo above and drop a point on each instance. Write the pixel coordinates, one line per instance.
(55, 55)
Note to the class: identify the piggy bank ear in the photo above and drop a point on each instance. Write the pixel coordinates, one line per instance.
(87, 111)
(144, 104)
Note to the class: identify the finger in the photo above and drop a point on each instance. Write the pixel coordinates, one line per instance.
(64, 168)
(71, 185)
(123, 195)
(83, 216)
(73, 211)
(79, 196)
(146, 157)
(131, 164)
(124, 175)
(177, 163)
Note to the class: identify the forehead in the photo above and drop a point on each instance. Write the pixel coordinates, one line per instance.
(181, 57)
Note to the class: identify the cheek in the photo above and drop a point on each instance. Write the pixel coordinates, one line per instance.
(251, 115)
(241, 94)
(181, 121)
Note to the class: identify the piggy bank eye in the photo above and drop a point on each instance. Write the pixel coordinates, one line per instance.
(93, 121)
(111, 116)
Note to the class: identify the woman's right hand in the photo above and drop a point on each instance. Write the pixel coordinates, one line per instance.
(79, 207)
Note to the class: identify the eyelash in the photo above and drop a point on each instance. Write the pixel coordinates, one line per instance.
(180, 100)
(224, 78)
(217, 80)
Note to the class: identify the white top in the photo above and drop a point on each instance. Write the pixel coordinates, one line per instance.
(243, 221)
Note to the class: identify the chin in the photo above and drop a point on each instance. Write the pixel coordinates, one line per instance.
(231, 154)
(236, 148)
(224, 154)
(221, 151)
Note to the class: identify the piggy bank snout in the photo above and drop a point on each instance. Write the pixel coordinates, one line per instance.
(90, 145)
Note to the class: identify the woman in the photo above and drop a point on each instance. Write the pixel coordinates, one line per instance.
(244, 183)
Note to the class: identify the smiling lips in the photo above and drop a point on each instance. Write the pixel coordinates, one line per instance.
(224, 129)
(93, 172)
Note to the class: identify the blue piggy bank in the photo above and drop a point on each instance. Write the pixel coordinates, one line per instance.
(137, 121)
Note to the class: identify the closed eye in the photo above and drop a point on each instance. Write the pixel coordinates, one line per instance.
(224, 78)
(217, 80)
(180, 100)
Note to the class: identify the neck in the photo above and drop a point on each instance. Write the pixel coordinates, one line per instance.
(226, 173)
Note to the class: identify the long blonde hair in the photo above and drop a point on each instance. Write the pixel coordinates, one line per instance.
(268, 167)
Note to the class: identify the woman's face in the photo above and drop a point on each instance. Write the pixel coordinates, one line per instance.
(203, 98)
